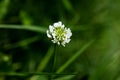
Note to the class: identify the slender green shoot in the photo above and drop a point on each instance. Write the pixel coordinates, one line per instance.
(22, 27)
(74, 57)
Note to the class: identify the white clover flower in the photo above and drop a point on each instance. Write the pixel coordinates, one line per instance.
(59, 33)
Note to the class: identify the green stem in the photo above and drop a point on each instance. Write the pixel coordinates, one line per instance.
(28, 74)
(74, 57)
(54, 61)
(23, 27)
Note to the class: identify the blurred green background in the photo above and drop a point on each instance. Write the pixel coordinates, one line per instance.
(92, 54)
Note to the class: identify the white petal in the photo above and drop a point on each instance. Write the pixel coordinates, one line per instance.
(53, 41)
(63, 44)
(59, 23)
(51, 28)
(58, 43)
(48, 34)
(68, 40)
(63, 26)
(69, 34)
(53, 34)
(56, 24)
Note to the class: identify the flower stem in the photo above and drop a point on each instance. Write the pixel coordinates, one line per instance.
(54, 61)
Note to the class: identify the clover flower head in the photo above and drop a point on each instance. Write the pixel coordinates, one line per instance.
(59, 34)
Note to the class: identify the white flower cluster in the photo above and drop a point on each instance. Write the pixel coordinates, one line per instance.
(59, 33)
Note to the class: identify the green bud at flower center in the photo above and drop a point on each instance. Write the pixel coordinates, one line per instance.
(60, 33)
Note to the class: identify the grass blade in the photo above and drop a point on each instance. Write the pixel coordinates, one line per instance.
(68, 77)
(45, 60)
(22, 27)
(74, 57)
(22, 43)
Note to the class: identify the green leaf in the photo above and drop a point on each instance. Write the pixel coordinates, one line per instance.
(22, 43)
(40, 77)
(22, 27)
(68, 5)
(46, 59)
(25, 18)
(74, 57)
(68, 77)
(3, 8)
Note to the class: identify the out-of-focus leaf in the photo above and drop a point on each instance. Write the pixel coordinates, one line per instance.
(2, 77)
(22, 27)
(68, 5)
(74, 57)
(68, 77)
(25, 18)
(108, 68)
(22, 43)
(45, 60)
(3, 8)
(40, 77)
